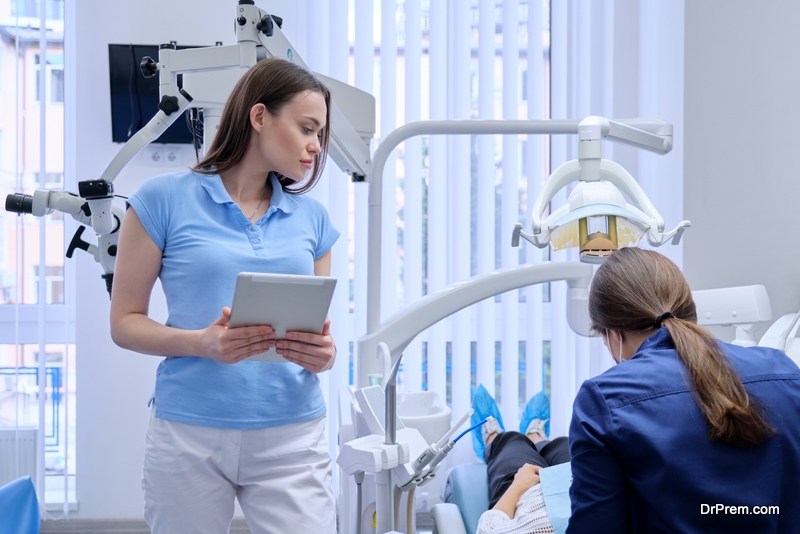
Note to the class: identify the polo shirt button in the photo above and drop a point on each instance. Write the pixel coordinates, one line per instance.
(251, 228)
(256, 240)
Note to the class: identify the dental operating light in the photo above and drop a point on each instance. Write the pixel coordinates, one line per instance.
(597, 219)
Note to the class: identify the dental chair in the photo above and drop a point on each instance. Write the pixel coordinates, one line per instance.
(19, 507)
(466, 498)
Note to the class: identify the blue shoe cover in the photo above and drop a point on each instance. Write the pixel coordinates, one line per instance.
(537, 408)
(484, 406)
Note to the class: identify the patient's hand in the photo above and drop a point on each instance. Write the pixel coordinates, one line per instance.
(527, 476)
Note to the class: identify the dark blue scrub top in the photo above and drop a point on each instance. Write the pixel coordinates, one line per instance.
(642, 462)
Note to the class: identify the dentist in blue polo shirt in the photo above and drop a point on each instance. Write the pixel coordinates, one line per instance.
(222, 429)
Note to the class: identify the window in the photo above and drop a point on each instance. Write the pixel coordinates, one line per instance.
(19, 404)
(54, 283)
(54, 76)
(32, 249)
(57, 85)
(523, 80)
(30, 9)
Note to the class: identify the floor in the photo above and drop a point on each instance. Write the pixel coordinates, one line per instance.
(100, 526)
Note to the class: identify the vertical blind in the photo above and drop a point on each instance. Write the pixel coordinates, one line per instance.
(450, 203)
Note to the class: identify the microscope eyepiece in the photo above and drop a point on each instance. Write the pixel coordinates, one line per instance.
(19, 203)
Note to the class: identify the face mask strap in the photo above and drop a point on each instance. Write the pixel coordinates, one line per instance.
(608, 344)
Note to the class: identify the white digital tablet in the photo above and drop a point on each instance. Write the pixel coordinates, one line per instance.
(286, 302)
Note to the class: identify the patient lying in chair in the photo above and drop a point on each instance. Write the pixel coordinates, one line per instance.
(513, 461)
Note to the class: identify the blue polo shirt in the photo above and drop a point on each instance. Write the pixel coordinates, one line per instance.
(642, 462)
(206, 242)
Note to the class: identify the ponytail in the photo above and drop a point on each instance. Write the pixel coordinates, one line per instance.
(637, 290)
(719, 393)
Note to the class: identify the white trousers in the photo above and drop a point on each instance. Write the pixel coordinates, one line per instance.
(281, 476)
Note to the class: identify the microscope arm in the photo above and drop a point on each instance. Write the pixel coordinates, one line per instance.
(352, 110)
(99, 213)
(46, 201)
(209, 75)
(149, 133)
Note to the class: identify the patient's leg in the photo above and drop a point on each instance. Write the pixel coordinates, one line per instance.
(554, 452)
(505, 454)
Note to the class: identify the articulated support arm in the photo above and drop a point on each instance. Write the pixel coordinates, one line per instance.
(400, 329)
(45, 201)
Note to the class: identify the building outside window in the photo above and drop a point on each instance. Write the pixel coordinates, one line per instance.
(54, 76)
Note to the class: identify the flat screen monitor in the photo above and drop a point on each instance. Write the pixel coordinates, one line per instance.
(134, 98)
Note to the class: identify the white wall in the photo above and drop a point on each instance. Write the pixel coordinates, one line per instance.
(741, 191)
(114, 384)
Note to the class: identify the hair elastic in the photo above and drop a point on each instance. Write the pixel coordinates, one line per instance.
(663, 316)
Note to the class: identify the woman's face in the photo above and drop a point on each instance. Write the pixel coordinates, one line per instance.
(288, 142)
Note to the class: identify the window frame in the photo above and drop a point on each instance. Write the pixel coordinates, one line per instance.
(50, 70)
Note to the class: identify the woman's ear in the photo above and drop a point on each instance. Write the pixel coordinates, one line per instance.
(258, 117)
(614, 337)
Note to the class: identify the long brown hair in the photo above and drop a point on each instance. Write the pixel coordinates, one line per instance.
(629, 291)
(272, 82)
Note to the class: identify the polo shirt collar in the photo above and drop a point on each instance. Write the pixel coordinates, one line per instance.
(216, 190)
(280, 199)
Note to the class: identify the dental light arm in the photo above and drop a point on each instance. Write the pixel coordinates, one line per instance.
(400, 329)
(650, 134)
(208, 77)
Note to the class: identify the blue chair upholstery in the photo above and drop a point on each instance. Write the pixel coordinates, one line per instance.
(19, 507)
(468, 488)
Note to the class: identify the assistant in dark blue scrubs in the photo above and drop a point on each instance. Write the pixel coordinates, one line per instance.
(645, 455)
